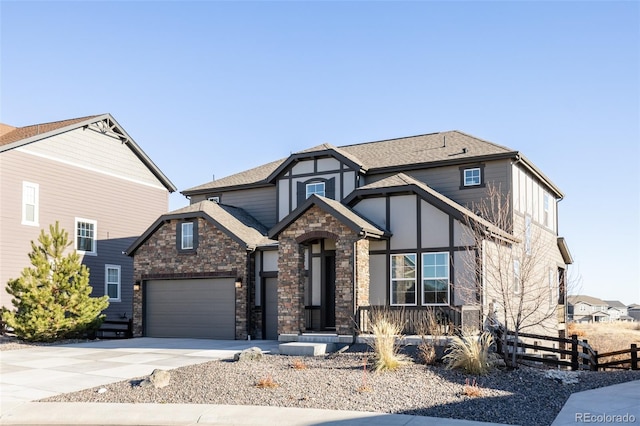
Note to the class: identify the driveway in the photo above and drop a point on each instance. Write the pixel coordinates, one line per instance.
(44, 371)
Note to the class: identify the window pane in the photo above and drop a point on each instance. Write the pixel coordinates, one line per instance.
(187, 235)
(315, 188)
(112, 290)
(30, 213)
(85, 236)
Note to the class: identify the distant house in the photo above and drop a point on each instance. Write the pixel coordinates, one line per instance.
(634, 311)
(90, 175)
(584, 308)
(311, 242)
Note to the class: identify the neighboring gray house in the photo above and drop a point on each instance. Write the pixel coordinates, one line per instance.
(617, 311)
(634, 312)
(312, 241)
(90, 175)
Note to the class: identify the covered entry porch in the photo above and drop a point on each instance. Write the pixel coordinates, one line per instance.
(323, 267)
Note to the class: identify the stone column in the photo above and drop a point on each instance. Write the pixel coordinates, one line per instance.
(290, 285)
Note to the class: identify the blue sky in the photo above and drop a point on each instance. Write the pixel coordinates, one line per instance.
(213, 88)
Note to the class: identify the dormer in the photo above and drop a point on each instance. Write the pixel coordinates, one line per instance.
(324, 170)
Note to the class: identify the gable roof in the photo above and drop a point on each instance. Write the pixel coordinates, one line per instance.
(344, 214)
(402, 183)
(233, 221)
(615, 304)
(581, 298)
(22, 136)
(400, 154)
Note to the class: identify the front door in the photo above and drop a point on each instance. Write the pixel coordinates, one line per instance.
(328, 306)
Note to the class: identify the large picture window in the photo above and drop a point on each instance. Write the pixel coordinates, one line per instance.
(435, 279)
(403, 279)
(86, 231)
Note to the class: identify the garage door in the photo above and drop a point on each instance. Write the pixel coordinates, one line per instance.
(190, 308)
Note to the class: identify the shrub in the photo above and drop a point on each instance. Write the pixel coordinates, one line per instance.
(426, 353)
(266, 382)
(470, 353)
(471, 388)
(53, 297)
(387, 329)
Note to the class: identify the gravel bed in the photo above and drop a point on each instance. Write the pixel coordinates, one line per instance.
(526, 396)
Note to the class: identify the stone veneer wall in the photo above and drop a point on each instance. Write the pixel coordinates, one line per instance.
(217, 255)
(311, 225)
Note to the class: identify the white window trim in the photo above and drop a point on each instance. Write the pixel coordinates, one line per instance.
(448, 278)
(106, 282)
(94, 249)
(182, 234)
(36, 205)
(324, 189)
(516, 277)
(391, 280)
(546, 216)
(552, 287)
(527, 234)
(470, 171)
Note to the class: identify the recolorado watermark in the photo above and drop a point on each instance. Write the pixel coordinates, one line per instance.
(605, 418)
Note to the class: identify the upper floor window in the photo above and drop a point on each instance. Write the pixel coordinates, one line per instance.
(435, 279)
(516, 276)
(187, 236)
(315, 188)
(30, 201)
(545, 214)
(112, 282)
(86, 231)
(472, 177)
(403, 279)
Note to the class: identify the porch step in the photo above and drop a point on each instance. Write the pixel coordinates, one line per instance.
(305, 348)
(318, 338)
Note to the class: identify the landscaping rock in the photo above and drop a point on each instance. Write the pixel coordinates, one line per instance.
(251, 354)
(158, 379)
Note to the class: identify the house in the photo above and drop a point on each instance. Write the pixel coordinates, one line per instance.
(583, 308)
(89, 175)
(313, 241)
(634, 311)
(618, 311)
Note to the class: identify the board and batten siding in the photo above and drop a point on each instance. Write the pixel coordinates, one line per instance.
(123, 202)
(430, 230)
(343, 177)
(446, 180)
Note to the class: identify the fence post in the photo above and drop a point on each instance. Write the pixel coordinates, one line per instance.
(585, 351)
(574, 352)
(634, 356)
(594, 367)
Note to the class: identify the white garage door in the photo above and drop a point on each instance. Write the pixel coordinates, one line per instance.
(197, 308)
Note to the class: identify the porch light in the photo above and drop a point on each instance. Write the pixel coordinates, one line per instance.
(136, 286)
(238, 282)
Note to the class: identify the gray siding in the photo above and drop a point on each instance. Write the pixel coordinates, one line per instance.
(122, 205)
(258, 202)
(446, 180)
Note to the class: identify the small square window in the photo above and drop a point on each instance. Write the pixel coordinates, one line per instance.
(472, 177)
(315, 188)
(86, 231)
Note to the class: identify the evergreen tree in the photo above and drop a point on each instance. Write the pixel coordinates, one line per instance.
(52, 297)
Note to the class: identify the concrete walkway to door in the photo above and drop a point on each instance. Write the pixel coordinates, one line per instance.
(44, 371)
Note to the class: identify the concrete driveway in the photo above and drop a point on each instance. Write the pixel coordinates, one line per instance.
(44, 371)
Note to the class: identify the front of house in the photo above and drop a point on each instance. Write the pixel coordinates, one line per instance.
(313, 241)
